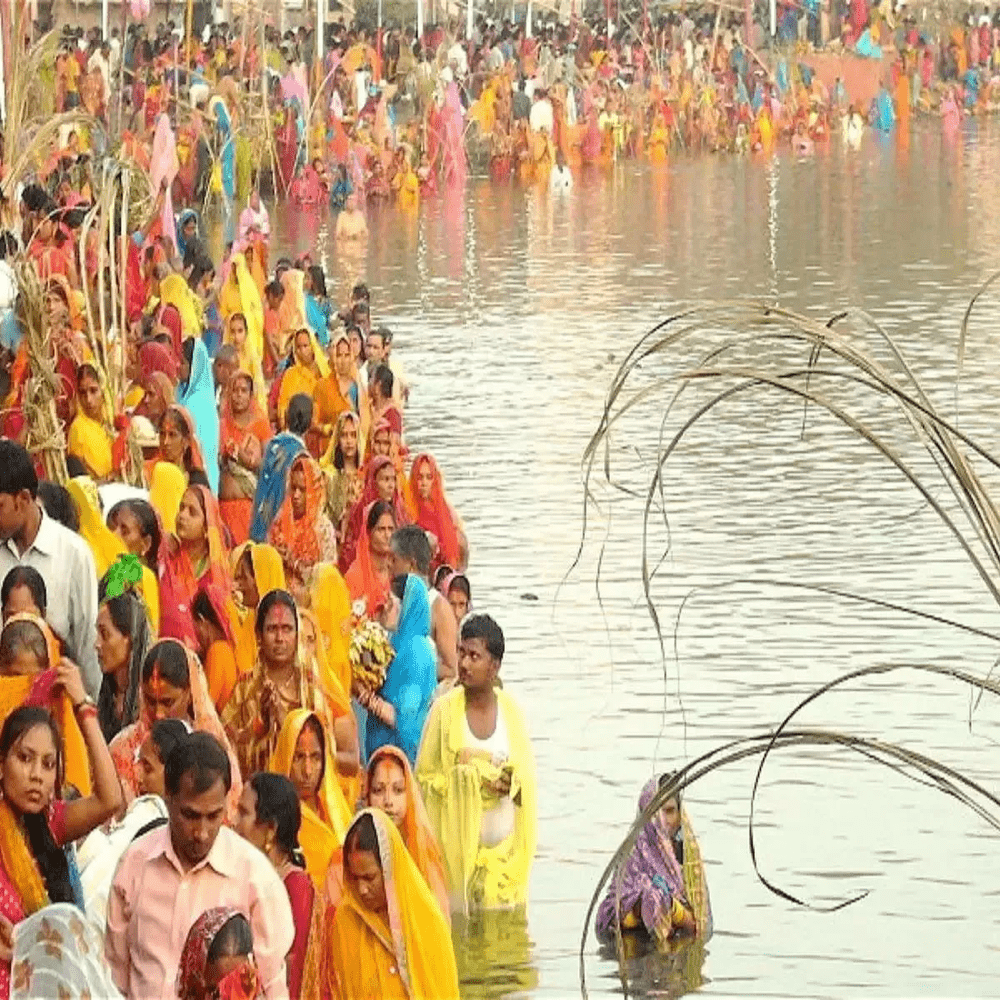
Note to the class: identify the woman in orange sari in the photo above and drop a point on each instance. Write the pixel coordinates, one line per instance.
(370, 575)
(178, 443)
(334, 395)
(188, 559)
(173, 686)
(392, 788)
(433, 513)
(243, 431)
(302, 532)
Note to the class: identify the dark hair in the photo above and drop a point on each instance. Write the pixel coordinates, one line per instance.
(59, 504)
(169, 658)
(378, 508)
(187, 350)
(360, 292)
(25, 576)
(87, 370)
(460, 582)
(398, 585)
(201, 755)
(23, 635)
(384, 379)
(409, 541)
(485, 628)
(128, 615)
(201, 607)
(338, 452)
(233, 938)
(149, 524)
(376, 332)
(198, 477)
(385, 332)
(49, 856)
(318, 279)
(278, 803)
(268, 601)
(362, 836)
(75, 467)
(275, 288)
(441, 573)
(166, 734)
(299, 415)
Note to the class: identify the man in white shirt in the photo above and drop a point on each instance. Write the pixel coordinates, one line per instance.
(560, 178)
(541, 118)
(458, 60)
(29, 537)
(170, 876)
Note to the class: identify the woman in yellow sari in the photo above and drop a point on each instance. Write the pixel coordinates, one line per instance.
(304, 375)
(174, 291)
(388, 938)
(302, 755)
(107, 547)
(89, 439)
(239, 296)
(167, 484)
(479, 787)
(257, 570)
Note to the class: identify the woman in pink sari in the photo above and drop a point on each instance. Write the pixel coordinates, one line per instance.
(453, 138)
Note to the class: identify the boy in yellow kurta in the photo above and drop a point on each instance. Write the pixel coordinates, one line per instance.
(477, 775)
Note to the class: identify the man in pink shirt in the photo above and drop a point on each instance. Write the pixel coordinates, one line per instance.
(170, 876)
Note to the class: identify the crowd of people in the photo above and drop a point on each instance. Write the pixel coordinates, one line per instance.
(388, 117)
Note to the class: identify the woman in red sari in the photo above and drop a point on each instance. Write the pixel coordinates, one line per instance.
(244, 430)
(370, 575)
(380, 484)
(431, 510)
(193, 557)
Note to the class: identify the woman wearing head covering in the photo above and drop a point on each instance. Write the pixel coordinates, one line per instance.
(217, 960)
(342, 468)
(370, 574)
(661, 888)
(214, 612)
(388, 937)
(334, 395)
(88, 437)
(257, 570)
(244, 431)
(302, 377)
(167, 483)
(396, 715)
(189, 558)
(156, 357)
(391, 787)
(380, 484)
(301, 532)
(172, 686)
(175, 291)
(197, 396)
(302, 755)
(429, 502)
(179, 445)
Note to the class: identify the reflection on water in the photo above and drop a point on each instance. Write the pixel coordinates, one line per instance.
(673, 972)
(494, 955)
(512, 313)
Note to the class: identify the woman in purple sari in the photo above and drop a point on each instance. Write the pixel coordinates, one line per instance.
(662, 890)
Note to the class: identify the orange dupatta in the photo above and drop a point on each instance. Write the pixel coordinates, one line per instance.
(297, 538)
(435, 515)
(362, 579)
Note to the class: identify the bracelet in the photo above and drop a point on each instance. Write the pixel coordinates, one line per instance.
(86, 710)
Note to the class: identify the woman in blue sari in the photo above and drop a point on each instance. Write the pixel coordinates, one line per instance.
(227, 148)
(188, 236)
(318, 306)
(397, 714)
(280, 454)
(197, 395)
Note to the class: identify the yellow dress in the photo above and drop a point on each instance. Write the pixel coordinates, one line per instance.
(91, 443)
(478, 877)
(407, 957)
(321, 833)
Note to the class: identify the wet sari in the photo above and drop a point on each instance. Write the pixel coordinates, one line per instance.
(416, 832)
(126, 745)
(180, 580)
(409, 955)
(652, 883)
(322, 831)
(451, 776)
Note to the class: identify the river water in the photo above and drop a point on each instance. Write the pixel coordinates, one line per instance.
(512, 312)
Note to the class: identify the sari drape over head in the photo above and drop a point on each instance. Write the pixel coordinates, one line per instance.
(197, 396)
(175, 291)
(451, 780)
(191, 983)
(125, 746)
(167, 483)
(308, 540)
(412, 675)
(652, 881)
(179, 580)
(269, 574)
(409, 956)
(435, 515)
(359, 512)
(281, 451)
(363, 579)
(155, 357)
(89, 440)
(321, 832)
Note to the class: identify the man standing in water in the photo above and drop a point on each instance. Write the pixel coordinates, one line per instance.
(491, 779)
(411, 553)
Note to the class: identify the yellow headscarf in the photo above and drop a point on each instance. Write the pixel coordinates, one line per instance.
(166, 489)
(369, 957)
(269, 572)
(174, 291)
(321, 833)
